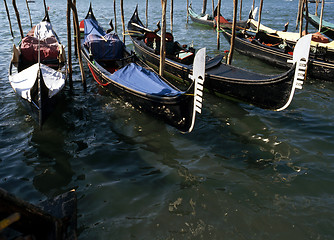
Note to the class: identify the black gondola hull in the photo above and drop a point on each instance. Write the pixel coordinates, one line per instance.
(317, 68)
(176, 111)
(212, 23)
(269, 94)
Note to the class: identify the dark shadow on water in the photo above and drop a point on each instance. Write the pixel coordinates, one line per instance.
(48, 156)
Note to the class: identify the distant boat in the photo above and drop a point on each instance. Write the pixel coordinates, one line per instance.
(327, 28)
(207, 19)
(321, 64)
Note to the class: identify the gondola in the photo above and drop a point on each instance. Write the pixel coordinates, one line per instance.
(276, 47)
(204, 19)
(327, 28)
(37, 71)
(120, 72)
(318, 40)
(207, 19)
(265, 91)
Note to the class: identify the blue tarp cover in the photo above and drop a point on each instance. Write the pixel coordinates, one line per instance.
(143, 80)
(102, 46)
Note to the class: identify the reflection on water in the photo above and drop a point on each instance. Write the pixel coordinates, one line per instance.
(51, 163)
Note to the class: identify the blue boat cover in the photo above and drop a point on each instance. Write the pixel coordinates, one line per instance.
(143, 80)
(102, 46)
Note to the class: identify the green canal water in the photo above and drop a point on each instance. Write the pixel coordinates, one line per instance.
(243, 173)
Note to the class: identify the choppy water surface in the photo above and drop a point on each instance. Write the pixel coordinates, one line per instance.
(243, 173)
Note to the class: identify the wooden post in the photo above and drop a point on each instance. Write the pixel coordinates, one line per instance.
(298, 14)
(77, 29)
(69, 45)
(218, 24)
(187, 10)
(321, 14)
(75, 33)
(115, 16)
(259, 20)
(29, 13)
(146, 13)
(306, 20)
(171, 15)
(10, 23)
(301, 18)
(230, 54)
(18, 18)
(316, 7)
(213, 8)
(253, 6)
(163, 38)
(240, 10)
(123, 24)
(204, 7)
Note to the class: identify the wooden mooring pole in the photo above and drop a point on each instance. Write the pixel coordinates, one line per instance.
(316, 7)
(171, 15)
(69, 45)
(260, 13)
(115, 16)
(163, 38)
(298, 14)
(218, 24)
(321, 14)
(230, 54)
(187, 10)
(213, 8)
(10, 23)
(146, 13)
(18, 17)
(123, 24)
(306, 20)
(75, 32)
(77, 39)
(301, 18)
(240, 10)
(29, 13)
(204, 6)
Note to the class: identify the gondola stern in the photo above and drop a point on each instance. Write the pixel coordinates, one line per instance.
(40, 98)
(300, 62)
(198, 78)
